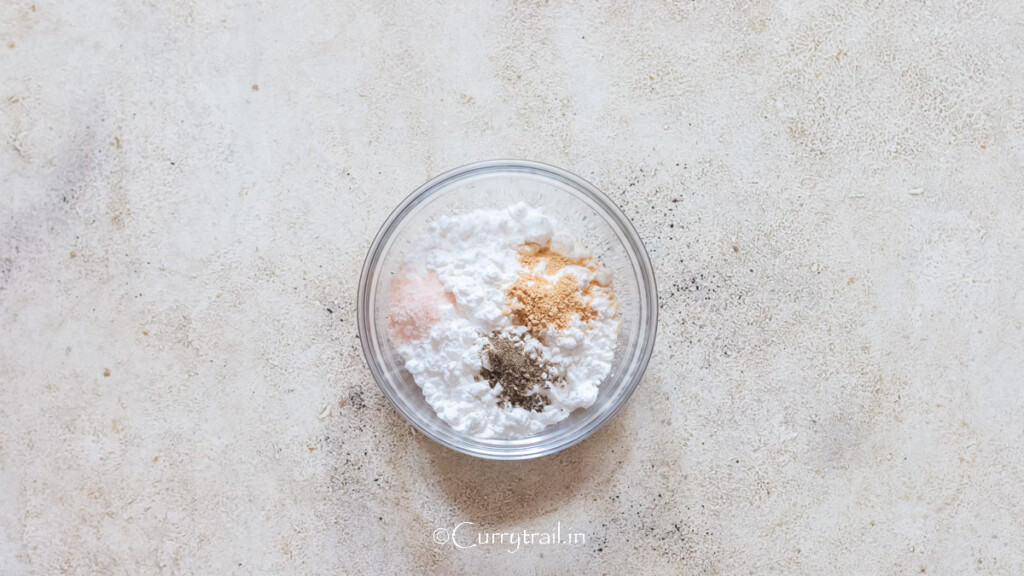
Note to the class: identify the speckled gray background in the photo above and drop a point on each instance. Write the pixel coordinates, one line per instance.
(832, 195)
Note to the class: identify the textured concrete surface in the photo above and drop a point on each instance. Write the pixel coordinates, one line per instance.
(832, 195)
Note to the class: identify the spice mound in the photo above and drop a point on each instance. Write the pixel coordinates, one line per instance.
(522, 376)
(538, 301)
(504, 321)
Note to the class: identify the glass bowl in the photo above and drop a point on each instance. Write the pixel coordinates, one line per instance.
(580, 210)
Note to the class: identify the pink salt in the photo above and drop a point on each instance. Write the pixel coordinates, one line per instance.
(415, 305)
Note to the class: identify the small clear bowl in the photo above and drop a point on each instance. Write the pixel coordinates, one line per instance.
(581, 210)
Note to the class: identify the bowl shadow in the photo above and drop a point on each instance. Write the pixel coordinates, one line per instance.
(496, 492)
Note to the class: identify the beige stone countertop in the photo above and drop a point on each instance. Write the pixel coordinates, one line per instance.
(832, 194)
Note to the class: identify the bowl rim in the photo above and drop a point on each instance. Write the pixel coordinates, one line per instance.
(648, 288)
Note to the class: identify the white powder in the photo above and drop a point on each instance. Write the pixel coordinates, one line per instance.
(474, 255)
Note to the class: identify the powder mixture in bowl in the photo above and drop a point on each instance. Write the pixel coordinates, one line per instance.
(505, 323)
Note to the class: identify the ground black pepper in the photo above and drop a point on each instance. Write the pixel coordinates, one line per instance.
(523, 376)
